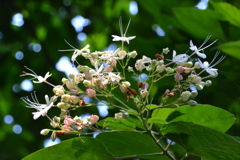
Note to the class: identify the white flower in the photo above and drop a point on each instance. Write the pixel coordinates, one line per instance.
(209, 67)
(114, 78)
(140, 64)
(179, 59)
(123, 36)
(77, 52)
(42, 109)
(197, 50)
(33, 74)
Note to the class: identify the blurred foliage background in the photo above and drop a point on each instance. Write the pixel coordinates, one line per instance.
(32, 32)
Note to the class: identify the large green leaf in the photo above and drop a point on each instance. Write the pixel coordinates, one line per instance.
(228, 12)
(77, 148)
(130, 143)
(199, 22)
(202, 141)
(231, 48)
(205, 115)
(115, 124)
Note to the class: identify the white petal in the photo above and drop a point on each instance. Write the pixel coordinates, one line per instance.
(36, 115)
(212, 72)
(191, 44)
(174, 53)
(202, 55)
(47, 99)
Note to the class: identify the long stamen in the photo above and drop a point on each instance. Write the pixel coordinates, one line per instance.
(205, 41)
(31, 71)
(69, 45)
(127, 27)
(120, 26)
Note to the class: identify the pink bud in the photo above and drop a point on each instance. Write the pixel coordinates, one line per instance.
(123, 88)
(93, 119)
(90, 92)
(109, 69)
(68, 121)
(180, 69)
(66, 128)
(88, 76)
(178, 77)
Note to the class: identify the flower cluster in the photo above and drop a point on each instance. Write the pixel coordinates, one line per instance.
(103, 76)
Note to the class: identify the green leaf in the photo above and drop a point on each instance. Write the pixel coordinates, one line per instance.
(137, 122)
(202, 141)
(151, 106)
(157, 120)
(228, 12)
(199, 22)
(125, 144)
(231, 48)
(76, 148)
(115, 124)
(205, 115)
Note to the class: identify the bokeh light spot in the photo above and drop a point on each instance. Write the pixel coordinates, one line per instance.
(19, 55)
(27, 85)
(8, 119)
(17, 129)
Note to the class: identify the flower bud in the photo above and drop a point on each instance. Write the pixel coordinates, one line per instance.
(71, 76)
(54, 124)
(192, 103)
(180, 69)
(165, 50)
(93, 119)
(109, 69)
(56, 119)
(64, 80)
(144, 93)
(74, 99)
(90, 92)
(122, 53)
(178, 77)
(125, 115)
(160, 68)
(113, 62)
(126, 83)
(83, 68)
(88, 76)
(197, 65)
(199, 87)
(132, 54)
(87, 83)
(53, 136)
(185, 96)
(70, 85)
(65, 98)
(45, 132)
(68, 121)
(58, 90)
(194, 93)
(123, 88)
(63, 105)
(169, 70)
(208, 83)
(118, 116)
(130, 69)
